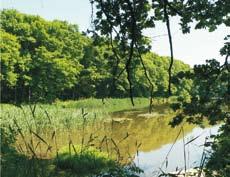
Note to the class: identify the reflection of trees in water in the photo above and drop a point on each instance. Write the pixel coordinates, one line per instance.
(151, 132)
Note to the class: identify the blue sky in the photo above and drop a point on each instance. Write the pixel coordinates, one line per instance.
(193, 48)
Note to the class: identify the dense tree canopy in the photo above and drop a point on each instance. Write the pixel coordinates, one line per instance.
(50, 52)
(9, 59)
(43, 60)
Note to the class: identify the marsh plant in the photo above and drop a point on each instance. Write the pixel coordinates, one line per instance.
(30, 143)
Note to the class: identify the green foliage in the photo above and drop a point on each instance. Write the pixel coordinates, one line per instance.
(51, 74)
(205, 13)
(12, 64)
(51, 51)
(9, 58)
(157, 68)
(124, 22)
(43, 60)
(8, 138)
(84, 160)
(219, 164)
(210, 100)
(209, 96)
(95, 77)
(127, 171)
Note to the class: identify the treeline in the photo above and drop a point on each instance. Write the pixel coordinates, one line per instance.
(47, 60)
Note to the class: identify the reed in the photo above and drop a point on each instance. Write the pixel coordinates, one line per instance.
(30, 121)
(65, 114)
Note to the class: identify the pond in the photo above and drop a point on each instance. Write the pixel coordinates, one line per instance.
(153, 160)
(145, 139)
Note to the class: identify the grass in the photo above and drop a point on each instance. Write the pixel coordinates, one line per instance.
(15, 165)
(63, 115)
(23, 128)
(86, 160)
(28, 123)
(110, 104)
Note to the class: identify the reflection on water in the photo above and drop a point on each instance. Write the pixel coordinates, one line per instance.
(151, 161)
(132, 133)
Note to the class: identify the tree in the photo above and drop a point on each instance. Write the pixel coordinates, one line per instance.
(51, 74)
(157, 68)
(12, 65)
(123, 21)
(127, 20)
(9, 58)
(210, 95)
(52, 51)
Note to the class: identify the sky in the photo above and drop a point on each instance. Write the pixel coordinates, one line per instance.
(192, 48)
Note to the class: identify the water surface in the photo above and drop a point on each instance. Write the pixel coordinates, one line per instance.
(136, 136)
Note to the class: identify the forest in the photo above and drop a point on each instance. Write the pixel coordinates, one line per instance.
(102, 103)
(44, 61)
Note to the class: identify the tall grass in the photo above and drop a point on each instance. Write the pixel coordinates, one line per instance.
(29, 122)
(65, 114)
(41, 127)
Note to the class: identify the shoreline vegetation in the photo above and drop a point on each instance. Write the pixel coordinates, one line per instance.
(28, 146)
(62, 113)
(23, 127)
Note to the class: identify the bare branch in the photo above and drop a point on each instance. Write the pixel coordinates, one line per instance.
(148, 78)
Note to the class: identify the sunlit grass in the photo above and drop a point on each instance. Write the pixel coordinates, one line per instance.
(40, 131)
(65, 114)
(84, 160)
